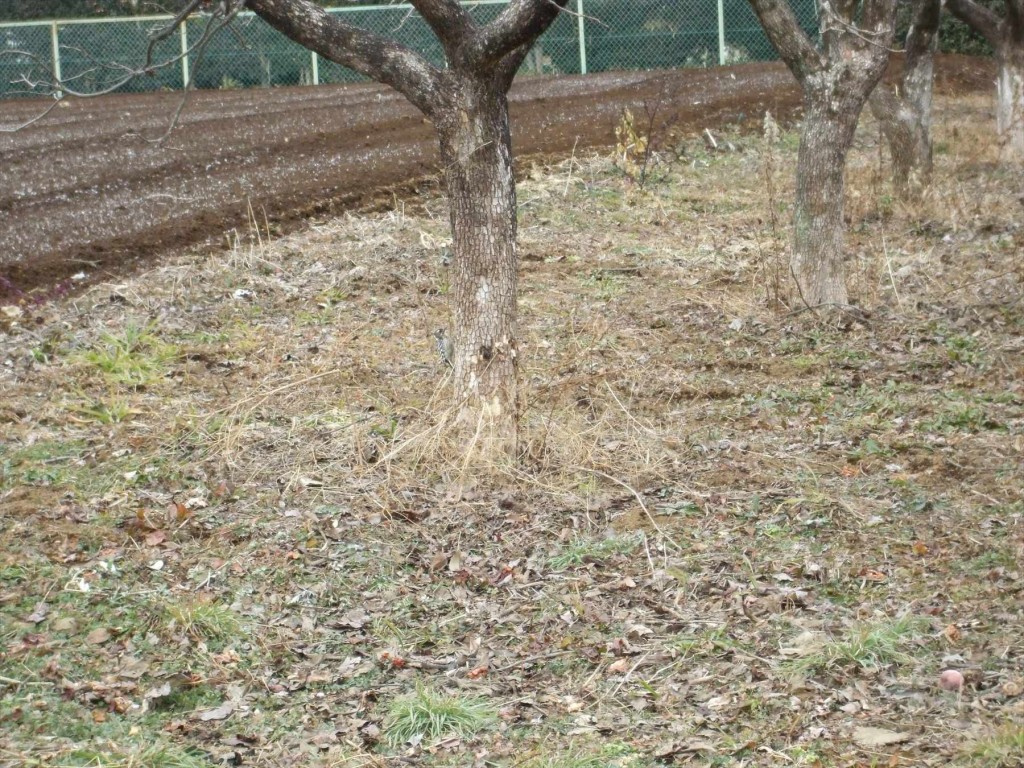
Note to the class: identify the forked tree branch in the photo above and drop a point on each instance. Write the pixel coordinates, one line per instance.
(520, 24)
(922, 37)
(375, 56)
(978, 17)
(788, 38)
(509, 66)
(448, 20)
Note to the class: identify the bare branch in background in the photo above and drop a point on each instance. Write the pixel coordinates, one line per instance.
(27, 123)
(222, 14)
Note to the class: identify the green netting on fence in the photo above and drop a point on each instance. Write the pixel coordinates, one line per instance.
(745, 40)
(249, 53)
(651, 34)
(95, 57)
(594, 36)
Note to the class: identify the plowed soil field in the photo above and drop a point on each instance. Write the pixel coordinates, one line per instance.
(90, 189)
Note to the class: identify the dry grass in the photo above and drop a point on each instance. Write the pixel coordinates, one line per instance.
(257, 502)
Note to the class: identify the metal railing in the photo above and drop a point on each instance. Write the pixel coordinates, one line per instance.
(596, 36)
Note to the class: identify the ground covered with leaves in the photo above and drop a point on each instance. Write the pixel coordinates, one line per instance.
(742, 534)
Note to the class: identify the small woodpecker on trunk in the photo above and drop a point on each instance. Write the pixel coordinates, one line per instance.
(444, 346)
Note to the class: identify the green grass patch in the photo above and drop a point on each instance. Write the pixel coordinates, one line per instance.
(48, 462)
(205, 621)
(428, 715)
(615, 755)
(962, 417)
(160, 755)
(105, 412)
(583, 550)
(136, 358)
(868, 646)
(1002, 749)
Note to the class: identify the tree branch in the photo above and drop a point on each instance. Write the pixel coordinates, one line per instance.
(922, 37)
(375, 56)
(448, 20)
(14, 128)
(521, 23)
(784, 32)
(878, 22)
(978, 18)
(63, 87)
(509, 66)
(1015, 14)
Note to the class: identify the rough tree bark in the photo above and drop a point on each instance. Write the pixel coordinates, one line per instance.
(836, 77)
(476, 150)
(1006, 36)
(905, 111)
(467, 103)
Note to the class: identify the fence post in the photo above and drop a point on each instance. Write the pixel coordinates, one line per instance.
(583, 37)
(184, 54)
(721, 34)
(316, 68)
(55, 50)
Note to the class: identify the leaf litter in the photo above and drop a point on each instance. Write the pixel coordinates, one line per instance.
(741, 535)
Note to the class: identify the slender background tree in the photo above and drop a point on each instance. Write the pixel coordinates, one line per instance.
(905, 109)
(1006, 36)
(836, 74)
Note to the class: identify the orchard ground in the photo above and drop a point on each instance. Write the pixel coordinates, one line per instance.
(91, 190)
(742, 534)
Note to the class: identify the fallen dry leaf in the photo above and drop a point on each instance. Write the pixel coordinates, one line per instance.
(877, 737)
(618, 667)
(98, 636)
(158, 692)
(132, 668)
(455, 563)
(181, 512)
(1012, 688)
(217, 713)
(39, 613)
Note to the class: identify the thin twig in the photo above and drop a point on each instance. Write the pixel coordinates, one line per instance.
(578, 15)
(27, 123)
(572, 160)
(892, 278)
(61, 88)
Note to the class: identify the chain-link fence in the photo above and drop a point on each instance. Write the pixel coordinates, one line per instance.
(595, 36)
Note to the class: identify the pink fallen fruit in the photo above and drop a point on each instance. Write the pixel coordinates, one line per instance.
(951, 680)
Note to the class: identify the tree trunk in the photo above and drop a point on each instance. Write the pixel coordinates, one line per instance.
(908, 132)
(836, 74)
(1010, 96)
(830, 120)
(906, 113)
(1005, 34)
(476, 151)
(466, 101)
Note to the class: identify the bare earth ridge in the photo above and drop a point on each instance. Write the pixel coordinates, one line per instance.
(88, 189)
